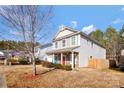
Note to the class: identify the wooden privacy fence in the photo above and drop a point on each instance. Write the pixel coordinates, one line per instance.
(1, 62)
(98, 63)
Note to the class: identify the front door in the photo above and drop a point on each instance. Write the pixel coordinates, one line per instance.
(55, 59)
(64, 59)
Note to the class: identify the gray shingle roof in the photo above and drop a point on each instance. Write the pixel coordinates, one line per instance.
(62, 50)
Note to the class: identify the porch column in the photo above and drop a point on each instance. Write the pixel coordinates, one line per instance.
(72, 60)
(53, 58)
(61, 58)
(5, 61)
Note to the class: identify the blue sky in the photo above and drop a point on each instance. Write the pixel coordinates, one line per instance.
(98, 16)
(87, 17)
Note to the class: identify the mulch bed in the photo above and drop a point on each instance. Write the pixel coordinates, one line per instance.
(31, 77)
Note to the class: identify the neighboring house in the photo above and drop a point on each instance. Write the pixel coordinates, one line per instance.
(1, 55)
(121, 59)
(72, 47)
(40, 52)
(14, 54)
(122, 52)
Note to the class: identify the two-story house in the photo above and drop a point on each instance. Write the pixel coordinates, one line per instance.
(73, 47)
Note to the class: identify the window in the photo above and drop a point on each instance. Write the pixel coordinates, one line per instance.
(63, 43)
(56, 45)
(73, 40)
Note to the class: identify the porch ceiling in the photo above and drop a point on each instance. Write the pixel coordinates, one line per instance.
(62, 50)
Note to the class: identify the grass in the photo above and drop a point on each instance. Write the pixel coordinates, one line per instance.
(20, 77)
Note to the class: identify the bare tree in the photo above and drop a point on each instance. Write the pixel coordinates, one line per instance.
(30, 22)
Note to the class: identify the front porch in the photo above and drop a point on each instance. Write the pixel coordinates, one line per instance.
(67, 58)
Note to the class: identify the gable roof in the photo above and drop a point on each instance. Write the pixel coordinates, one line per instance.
(65, 28)
(77, 32)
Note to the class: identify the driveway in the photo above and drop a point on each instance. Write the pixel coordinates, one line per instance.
(2, 81)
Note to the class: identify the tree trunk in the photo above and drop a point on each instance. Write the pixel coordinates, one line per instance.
(34, 66)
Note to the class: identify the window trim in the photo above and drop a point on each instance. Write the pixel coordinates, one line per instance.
(73, 38)
(64, 43)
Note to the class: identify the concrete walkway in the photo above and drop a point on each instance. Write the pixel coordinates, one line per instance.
(2, 81)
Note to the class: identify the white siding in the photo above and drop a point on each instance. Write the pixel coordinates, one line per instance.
(63, 33)
(86, 50)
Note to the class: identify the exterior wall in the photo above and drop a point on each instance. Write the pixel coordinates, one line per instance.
(88, 49)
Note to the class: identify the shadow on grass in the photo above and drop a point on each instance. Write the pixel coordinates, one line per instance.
(116, 69)
(45, 71)
(39, 74)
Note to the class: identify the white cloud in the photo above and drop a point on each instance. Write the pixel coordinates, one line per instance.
(122, 9)
(117, 20)
(74, 24)
(89, 29)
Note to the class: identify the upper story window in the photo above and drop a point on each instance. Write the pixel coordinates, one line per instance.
(56, 44)
(73, 40)
(63, 43)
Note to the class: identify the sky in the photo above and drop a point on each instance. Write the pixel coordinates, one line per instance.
(89, 16)
(86, 18)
